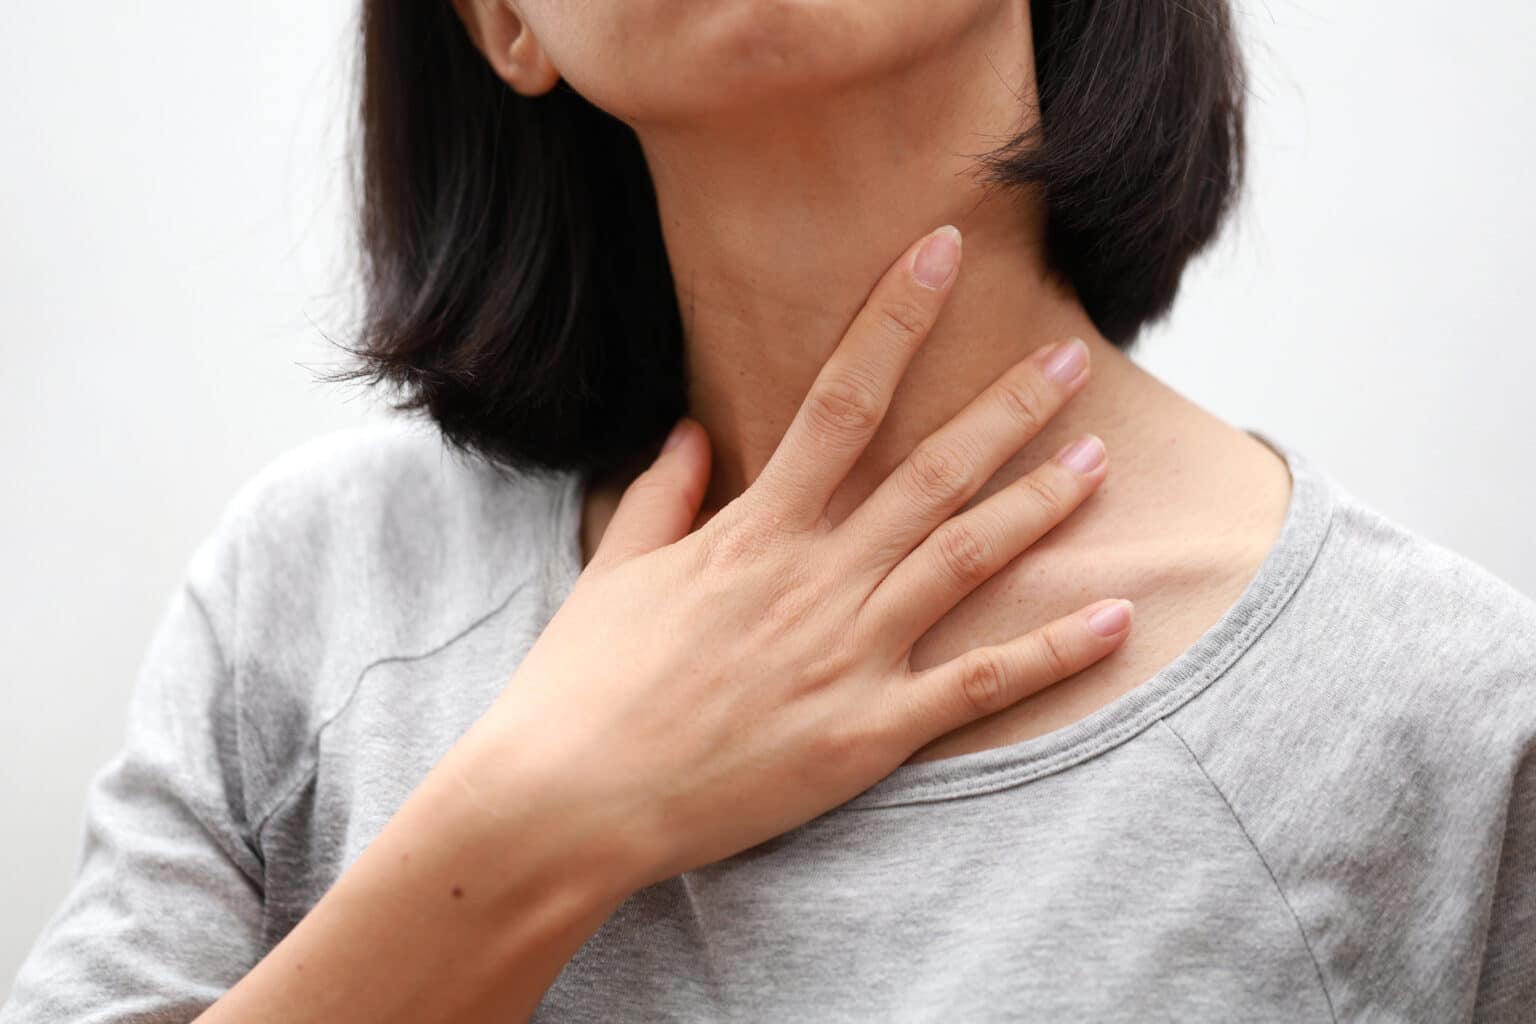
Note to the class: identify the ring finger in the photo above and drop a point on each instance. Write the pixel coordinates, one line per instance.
(971, 548)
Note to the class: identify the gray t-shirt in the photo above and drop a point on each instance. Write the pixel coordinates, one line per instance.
(1323, 810)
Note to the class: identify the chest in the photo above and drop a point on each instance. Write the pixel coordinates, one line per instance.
(1177, 603)
(1011, 907)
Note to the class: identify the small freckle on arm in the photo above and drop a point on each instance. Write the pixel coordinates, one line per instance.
(458, 892)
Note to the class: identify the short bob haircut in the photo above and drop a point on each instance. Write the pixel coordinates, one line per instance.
(516, 288)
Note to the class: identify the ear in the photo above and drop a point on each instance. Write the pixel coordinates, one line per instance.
(507, 42)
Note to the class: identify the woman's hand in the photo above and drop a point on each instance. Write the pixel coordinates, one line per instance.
(699, 693)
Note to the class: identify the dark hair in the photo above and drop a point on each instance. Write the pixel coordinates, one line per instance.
(516, 286)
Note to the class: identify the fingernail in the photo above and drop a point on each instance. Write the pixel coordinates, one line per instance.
(1067, 361)
(937, 259)
(1083, 455)
(1111, 619)
(676, 437)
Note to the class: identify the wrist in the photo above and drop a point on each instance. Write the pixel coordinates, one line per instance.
(511, 787)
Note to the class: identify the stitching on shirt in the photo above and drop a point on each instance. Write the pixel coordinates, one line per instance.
(1274, 880)
(309, 772)
(247, 852)
(1004, 776)
(213, 630)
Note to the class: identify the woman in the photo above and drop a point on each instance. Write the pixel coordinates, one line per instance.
(790, 748)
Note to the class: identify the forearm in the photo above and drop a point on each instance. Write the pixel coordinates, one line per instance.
(466, 907)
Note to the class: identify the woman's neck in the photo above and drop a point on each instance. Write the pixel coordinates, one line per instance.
(779, 220)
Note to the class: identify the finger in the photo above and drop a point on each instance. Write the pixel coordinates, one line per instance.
(971, 548)
(660, 505)
(853, 389)
(985, 680)
(949, 466)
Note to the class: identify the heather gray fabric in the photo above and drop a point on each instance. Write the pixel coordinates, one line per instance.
(1324, 810)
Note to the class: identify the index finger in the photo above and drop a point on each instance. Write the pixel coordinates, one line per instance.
(852, 392)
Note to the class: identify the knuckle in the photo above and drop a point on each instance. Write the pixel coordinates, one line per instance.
(652, 491)
(1055, 654)
(789, 607)
(903, 319)
(833, 662)
(647, 485)
(932, 475)
(1043, 496)
(965, 556)
(1022, 400)
(843, 406)
(734, 542)
(983, 683)
(795, 594)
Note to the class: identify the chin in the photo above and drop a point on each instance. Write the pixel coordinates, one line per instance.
(687, 57)
(739, 53)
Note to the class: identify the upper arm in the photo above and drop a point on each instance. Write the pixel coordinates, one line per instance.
(165, 911)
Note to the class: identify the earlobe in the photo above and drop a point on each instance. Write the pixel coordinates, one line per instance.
(507, 42)
(528, 68)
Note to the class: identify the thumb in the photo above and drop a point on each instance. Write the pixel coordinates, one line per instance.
(660, 505)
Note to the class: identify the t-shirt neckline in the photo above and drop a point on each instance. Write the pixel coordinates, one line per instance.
(1303, 530)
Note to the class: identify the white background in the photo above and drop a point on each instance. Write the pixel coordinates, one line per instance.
(173, 240)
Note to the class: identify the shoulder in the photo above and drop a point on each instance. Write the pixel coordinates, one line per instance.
(402, 469)
(391, 499)
(1375, 744)
(358, 546)
(1443, 627)
(1395, 651)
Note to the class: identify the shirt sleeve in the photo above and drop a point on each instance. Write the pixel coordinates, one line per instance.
(165, 911)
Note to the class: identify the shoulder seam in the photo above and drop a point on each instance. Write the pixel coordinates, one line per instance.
(308, 773)
(243, 832)
(213, 630)
(1274, 880)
